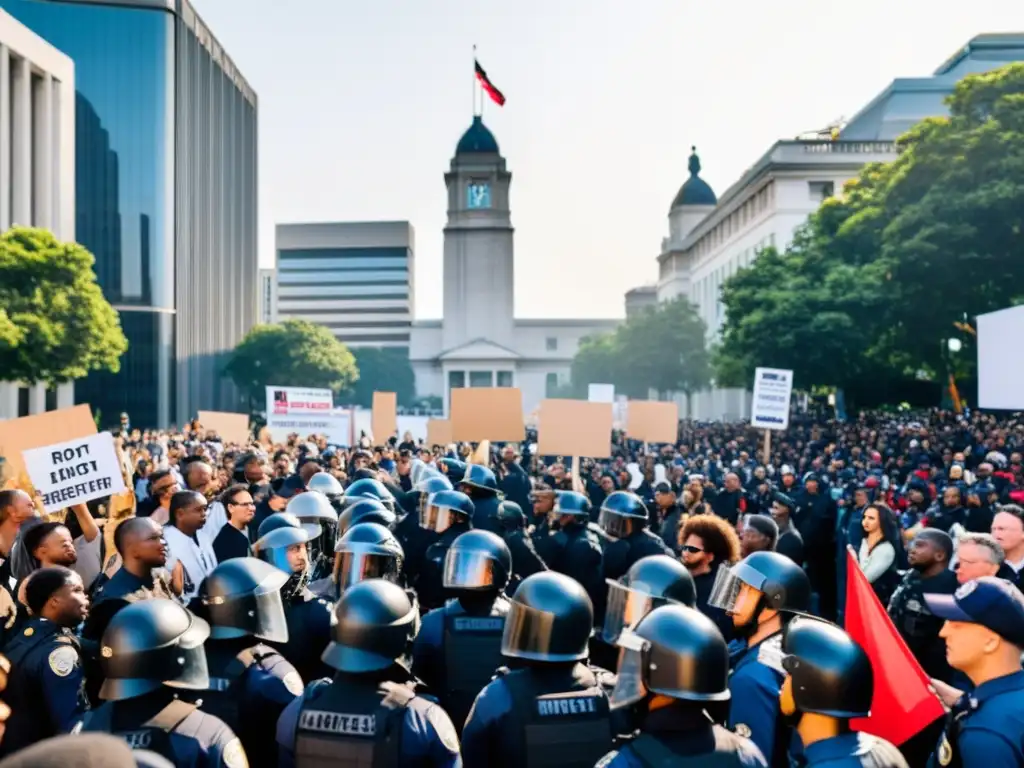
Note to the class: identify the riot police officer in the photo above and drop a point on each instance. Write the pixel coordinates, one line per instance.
(449, 514)
(651, 581)
(250, 683)
(414, 538)
(761, 593)
(366, 510)
(150, 650)
(624, 518)
(525, 559)
(458, 648)
(553, 709)
(282, 543)
(370, 715)
(574, 549)
(46, 686)
(366, 551)
(480, 484)
(453, 469)
(313, 509)
(828, 681)
(369, 488)
(329, 486)
(675, 665)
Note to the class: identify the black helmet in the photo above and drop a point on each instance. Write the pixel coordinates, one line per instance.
(831, 675)
(477, 561)
(445, 508)
(480, 478)
(368, 488)
(376, 624)
(327, 484)
(650, 582)
(153, 643)
(276, 534)
(783, 584)
(453, 468)
(242, 598)
(367, 551)
(622, 513)
(674, 651)
(511, 516)
(550, 619)
(572, 503)
(365, 510)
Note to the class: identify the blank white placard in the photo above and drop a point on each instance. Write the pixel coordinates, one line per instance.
(1000, 359)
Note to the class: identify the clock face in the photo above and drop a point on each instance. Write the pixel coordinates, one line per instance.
(478, 195)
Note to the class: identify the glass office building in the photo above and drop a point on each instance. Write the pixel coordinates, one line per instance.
(166, 196)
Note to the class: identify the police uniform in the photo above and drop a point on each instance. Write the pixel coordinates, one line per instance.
(853, 750)
(457, 653)
(916, 623)
(755, 682)
(45, 689)
(309, 632)
(577, 552)
(526, 561)
(429, 586)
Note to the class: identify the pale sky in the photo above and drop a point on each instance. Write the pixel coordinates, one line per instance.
(361, 105)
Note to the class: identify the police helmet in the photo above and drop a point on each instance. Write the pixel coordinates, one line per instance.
(454, 469)
(327, 484)
(445, 508)
(242, 598)
(276, 534)
(150, 644)
(376, 624)
(831, 675)
(674, 651)
(432, 483)
(550, 619)
(367, 551)
(572, 503)
(480, 479)
(650, 582)
(312, 507)
(511, 516)
(622, 513)
(369, 488)
(783, 584)
(365, 510)
(477, 561)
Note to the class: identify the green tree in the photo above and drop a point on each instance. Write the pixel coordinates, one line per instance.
(294, 353)
(383, 369)
(55, 324)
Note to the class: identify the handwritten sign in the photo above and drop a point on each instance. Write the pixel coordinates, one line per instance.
(75, 471)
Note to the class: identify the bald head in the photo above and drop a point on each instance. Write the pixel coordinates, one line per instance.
(132, 531)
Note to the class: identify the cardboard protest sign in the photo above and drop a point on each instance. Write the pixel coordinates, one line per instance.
(384, 419)
(575, 428)
(230, 427)
(652, 421)
(439, 432)
(19, 435)
(487, 413)
(75, 471)
(773, 390)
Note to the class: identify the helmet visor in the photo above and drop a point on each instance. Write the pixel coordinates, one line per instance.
(625, 608)
(355, 566)
(616, 526)
(629, 682)
(466, 569)
(728, 586)
(437, 519)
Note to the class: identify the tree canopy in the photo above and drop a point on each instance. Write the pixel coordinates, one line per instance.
(872, 285)
(294, 353)
(55, 324)
(661, 348)
(383, 369)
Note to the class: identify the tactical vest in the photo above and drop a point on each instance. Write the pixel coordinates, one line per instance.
(154, 735)
(348, 727)
(565, 729)
(653, 754)
(472, 654)
(223, 697)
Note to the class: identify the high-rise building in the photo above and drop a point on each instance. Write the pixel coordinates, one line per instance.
(37, 164)
(165, 157)
(268, 296)
(355, 278)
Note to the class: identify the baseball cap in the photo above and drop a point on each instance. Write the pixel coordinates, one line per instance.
(663, 487)
(994, 603)
(292, 484)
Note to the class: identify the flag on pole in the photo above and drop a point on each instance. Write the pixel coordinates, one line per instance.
(902, 705)
(485, 82)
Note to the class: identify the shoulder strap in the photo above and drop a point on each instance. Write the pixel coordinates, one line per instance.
(241, 663)
(171, 716)
(387, 751)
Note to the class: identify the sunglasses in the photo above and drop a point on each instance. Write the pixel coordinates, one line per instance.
(691, 549)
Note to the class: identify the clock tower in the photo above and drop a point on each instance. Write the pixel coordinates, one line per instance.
(478, 258)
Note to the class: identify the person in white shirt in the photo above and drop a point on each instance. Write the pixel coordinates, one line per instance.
(188, 542)
(1008, 530)
(199, 476)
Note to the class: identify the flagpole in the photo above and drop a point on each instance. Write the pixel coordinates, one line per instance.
(475, 89)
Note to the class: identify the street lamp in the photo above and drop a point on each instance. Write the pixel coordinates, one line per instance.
(954, 345)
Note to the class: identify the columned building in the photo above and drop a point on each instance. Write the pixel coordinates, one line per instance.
(37, 165)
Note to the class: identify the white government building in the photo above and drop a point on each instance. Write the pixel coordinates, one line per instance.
(37, 165)
(711, 237)
(479, 342)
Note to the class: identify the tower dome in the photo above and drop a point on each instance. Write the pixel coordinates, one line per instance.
(695, 191)
(477, 139)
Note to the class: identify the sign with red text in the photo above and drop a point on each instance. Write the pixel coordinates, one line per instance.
(75, 471)
(296, 401)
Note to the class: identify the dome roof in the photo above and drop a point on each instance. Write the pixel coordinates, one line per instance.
(477, 139)
(695, 191)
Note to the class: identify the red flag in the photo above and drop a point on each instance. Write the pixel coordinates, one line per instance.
(902, 705)
(496, 96)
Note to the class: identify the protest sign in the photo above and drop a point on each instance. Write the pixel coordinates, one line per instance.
(773, 389)
(575, 428)
(487, 413)
(652, 421)
(384, 421)
(75, 471)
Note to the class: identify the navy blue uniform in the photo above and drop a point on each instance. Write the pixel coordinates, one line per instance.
(485, 513)
(986, 726)
(853, 750)
(177, 730)
(526, 561)
(45, 689)
(309, 632)
(415, 540)
(677, 732)
(577, 552)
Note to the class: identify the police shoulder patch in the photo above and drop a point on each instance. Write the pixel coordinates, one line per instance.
(293, 683)
(234, 755)
(607, 759)
(442, 725)
(63, 660)
(743, 730)
(770, 653)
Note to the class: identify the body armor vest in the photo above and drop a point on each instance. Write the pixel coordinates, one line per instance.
(472, 654)
(559, 729)
(352, 727)
(154, 735)
(653, 754)
(222, 698)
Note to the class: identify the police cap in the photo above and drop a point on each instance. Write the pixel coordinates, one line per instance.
(994, 603)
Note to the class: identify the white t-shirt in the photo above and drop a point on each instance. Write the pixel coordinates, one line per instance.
(195, 554)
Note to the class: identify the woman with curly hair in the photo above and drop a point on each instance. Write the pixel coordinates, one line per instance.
(706, 542)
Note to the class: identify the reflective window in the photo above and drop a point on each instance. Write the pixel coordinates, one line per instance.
(504, 378)
(481, 378)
